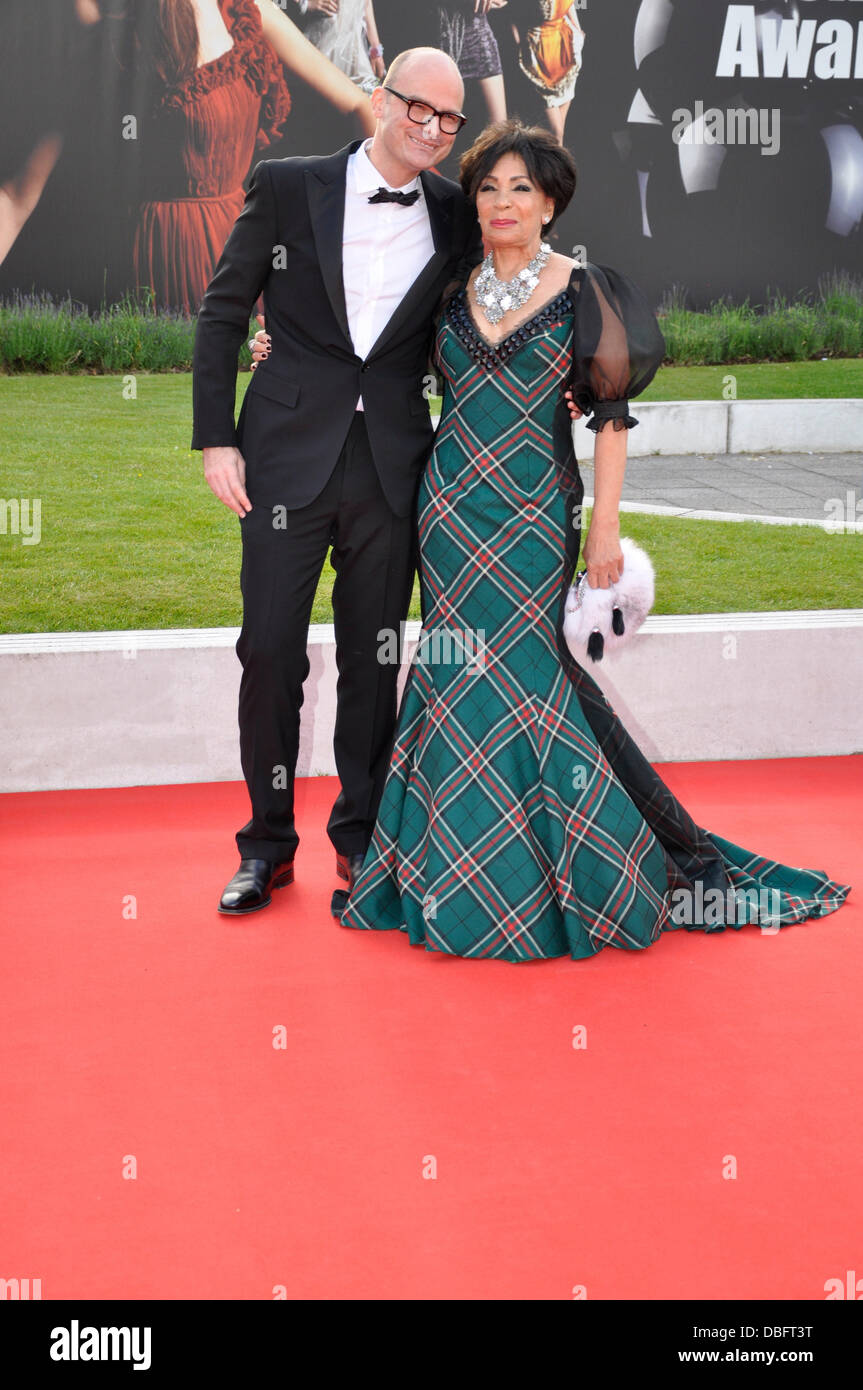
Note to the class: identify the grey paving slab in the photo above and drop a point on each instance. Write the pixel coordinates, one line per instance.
(793, 485)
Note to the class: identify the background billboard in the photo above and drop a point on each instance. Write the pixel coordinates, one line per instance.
(719, 146)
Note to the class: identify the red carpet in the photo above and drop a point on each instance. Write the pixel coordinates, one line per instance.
(152, 1036)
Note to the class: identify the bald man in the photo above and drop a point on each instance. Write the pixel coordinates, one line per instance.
(351, 253)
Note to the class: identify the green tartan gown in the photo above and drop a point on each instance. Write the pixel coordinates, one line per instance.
(519, 819)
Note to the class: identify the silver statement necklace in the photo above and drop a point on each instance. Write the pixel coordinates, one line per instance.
(496, 297)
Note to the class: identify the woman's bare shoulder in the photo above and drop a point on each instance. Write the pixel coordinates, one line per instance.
(559, 271)
(564, 265)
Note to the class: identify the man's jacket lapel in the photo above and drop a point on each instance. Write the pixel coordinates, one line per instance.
(325, 189)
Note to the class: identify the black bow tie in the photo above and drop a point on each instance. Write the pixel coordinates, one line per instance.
(386, 195)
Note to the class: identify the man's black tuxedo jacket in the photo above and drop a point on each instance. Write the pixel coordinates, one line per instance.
(287, 244)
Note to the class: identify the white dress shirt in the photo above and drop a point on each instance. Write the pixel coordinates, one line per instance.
(384, 248)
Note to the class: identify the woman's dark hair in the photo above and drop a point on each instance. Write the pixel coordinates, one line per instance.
(160, 36)
(549, 164)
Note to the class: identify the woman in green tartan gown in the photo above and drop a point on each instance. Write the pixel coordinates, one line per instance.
(519, 819)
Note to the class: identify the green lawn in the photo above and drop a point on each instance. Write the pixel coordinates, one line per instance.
(759, 381)
(133, 538)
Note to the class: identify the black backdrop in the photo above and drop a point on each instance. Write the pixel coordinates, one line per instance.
(759, 223)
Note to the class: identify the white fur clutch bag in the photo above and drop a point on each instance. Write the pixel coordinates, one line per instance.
(602, 620)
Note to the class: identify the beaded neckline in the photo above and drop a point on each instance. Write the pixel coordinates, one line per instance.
(495, 354)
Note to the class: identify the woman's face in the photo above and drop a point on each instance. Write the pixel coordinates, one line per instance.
(510, 206)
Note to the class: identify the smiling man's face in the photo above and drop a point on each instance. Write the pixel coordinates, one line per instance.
(401, 142)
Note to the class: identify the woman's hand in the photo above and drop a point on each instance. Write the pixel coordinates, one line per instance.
(324, 6)
(603, 556)
(260, 344)
(376, 51)
(573, 408)
(88, 11)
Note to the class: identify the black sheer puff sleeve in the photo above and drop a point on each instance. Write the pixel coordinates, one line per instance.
(617, 346)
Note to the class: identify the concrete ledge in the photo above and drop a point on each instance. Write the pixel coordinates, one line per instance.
(739, 427)
(136, 708)
(825, 427)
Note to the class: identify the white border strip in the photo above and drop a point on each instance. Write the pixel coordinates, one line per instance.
(323, 634)
(649, 509)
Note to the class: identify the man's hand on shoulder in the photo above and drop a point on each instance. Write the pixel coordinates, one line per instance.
(225, 472)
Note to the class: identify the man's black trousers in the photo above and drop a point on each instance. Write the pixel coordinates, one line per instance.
(374, 556)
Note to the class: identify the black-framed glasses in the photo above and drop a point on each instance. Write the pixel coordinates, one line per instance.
(420, 112)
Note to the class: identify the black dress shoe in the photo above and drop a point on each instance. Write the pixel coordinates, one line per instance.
(249, 889)
(347, 867)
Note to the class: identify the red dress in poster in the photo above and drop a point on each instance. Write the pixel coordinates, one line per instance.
(196, 155)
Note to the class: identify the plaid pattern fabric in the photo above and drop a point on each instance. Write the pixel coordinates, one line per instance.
(519, 819)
